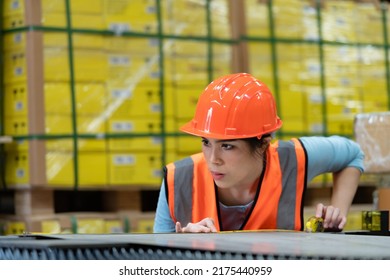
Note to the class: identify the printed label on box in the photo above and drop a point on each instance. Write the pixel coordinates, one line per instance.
(124, 160)
(121, 93)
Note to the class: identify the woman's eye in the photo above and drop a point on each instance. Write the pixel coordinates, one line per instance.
(227, 146)
(205, 142)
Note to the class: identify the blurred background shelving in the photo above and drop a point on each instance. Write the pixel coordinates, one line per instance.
(94, 91)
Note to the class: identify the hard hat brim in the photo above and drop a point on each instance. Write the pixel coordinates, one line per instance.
(189, 129)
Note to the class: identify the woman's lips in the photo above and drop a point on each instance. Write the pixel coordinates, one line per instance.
(217, 176)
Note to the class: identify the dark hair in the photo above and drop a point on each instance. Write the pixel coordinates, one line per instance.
(255, 144)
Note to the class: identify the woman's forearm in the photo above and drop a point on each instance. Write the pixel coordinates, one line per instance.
(345, 184)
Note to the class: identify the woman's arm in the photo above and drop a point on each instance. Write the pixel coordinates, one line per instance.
(345, 183)
(163, 221)
(331, 154)
(344, 159)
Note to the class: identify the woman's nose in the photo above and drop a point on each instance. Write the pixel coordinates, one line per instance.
(215, 156)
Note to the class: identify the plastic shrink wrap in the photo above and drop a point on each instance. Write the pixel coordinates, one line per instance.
(372, 132)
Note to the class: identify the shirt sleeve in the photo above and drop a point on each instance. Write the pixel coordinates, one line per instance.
(163, 221)
(331, 154)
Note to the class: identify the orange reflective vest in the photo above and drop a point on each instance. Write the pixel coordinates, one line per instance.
(278, 204)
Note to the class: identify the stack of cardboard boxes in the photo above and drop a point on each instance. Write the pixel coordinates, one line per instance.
(95, 90)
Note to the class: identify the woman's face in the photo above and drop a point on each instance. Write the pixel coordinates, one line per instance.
(231, 162)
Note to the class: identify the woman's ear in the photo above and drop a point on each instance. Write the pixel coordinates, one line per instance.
(265, 143)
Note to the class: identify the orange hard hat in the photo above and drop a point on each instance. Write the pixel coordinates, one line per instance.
(232, 107)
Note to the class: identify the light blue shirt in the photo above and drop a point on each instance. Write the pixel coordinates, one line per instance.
(325, 154)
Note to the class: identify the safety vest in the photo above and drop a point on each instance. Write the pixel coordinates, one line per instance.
(278, 204)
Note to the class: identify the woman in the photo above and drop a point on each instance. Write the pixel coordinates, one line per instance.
(242, 181)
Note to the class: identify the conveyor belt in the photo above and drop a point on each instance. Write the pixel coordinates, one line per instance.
(229, 245)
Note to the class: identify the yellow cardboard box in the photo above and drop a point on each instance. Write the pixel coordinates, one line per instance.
(91, 226)
(15, 67)
(15, 100)
(135, 143)
(187, 98)
(12, 7)
(87, 21)
(79, 41)
(16, 227)
(17, 171)
(89, 65)
(92, 169)
(16, 126)
(50, 227)
(15, 41)
(62, 124)
(127, 100)
(135, 168)
(13, 21)
(90, 98)
(77, 7)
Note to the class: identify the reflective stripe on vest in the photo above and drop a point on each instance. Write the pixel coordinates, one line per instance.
(183, 179)
(287, 212)
(279, 205)
(186, 203)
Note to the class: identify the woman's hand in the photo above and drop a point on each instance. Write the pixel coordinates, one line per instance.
(333, 219)
(205, 225)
